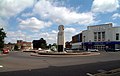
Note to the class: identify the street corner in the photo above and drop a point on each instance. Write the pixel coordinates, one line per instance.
(1, 55)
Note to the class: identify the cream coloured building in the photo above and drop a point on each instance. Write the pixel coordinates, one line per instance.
(101, 37)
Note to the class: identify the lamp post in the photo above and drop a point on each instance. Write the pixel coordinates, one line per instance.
(83, 42)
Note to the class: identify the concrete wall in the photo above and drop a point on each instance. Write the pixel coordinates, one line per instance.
(110, 33)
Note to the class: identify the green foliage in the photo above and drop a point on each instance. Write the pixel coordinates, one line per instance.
(55, 45)
(2, 36)
(16, 47)
(53, 48)
(49, 46)
(43, 45)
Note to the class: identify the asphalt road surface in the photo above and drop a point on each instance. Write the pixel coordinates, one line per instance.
(22, 64)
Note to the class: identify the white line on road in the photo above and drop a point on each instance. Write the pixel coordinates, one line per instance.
(1, 66)
(88, 74)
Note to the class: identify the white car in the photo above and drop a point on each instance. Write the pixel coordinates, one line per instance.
(93, 50)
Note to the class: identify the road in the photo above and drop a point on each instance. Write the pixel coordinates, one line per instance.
(22, 64)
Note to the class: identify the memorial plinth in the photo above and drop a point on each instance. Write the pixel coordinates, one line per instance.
(60, 39)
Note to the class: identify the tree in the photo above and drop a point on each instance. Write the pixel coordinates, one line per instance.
(43, 43)
(43, 46)
(39, 44)
(16, 47)
(49, 46)
(54, 44)
(2, 37)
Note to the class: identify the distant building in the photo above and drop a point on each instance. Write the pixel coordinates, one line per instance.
(39, 44)
(23, 45)
(9, 46)
(77, 41)
(68, 45)
(100, 37)
(36, 44)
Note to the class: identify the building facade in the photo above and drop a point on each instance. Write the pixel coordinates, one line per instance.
(100, 37)
(68, 45)
(77, 41)
(23, 45)
(39, 44)
(9, 46)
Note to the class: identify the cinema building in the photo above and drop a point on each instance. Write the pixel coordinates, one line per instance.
(100, 37)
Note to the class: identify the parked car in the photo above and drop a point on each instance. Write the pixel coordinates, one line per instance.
(93, 50)
(5, 51)
(111, 49)
(117, 49)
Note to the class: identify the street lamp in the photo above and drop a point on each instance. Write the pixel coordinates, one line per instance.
(83, 42)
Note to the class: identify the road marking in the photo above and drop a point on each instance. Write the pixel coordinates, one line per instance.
(88, 74)
(1, 66)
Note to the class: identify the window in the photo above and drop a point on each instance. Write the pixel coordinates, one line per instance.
(99, 36)
(84, 38)
(103, 36)
(117, 36)
(95, 36)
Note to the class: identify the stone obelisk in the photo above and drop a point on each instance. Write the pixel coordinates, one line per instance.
(60, 39)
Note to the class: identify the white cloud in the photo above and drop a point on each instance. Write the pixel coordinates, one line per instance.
(70, 30)
(54, 31)
(49, 37)
(27, 14)
(13, 36)
(115, 16)
(62, 15)
(34, 24)
(12, 7)
(3, 23)
(105, 5)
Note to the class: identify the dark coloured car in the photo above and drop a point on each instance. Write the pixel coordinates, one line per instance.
(112, 50)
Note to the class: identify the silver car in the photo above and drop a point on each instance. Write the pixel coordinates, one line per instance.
(93, 50)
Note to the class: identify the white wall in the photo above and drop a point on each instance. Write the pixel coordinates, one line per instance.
(114, 31)
(110, 32)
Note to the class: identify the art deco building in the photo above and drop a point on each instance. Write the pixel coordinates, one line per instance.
(100, 37)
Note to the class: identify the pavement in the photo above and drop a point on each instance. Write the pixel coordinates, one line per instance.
(22, 64)
(2, 55)
(64, 54)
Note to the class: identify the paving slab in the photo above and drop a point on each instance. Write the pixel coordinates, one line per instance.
(64, 54)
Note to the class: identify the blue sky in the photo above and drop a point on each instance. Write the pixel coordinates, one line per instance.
(35, 19)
